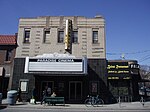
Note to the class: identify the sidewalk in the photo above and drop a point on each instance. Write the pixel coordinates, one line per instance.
(130, 106)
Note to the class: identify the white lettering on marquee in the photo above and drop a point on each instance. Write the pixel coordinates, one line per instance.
(46, 60)
(54, 60)
(65, 60)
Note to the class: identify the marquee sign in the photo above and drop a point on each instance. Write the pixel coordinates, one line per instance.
(51, 64)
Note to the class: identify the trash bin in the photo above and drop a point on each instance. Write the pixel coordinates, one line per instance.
(1, 95)
(11, 97)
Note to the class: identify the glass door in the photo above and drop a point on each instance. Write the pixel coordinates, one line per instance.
(75, 90)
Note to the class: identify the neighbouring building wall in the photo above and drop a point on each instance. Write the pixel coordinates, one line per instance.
(123, 78)
(8, 44)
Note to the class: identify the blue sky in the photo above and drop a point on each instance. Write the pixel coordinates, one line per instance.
(127, 21)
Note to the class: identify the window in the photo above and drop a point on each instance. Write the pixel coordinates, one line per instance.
(8, 55)
(46, 36)
(94, 87)
(75, 37)
(95, 37)
(60, 36)
(26, 36)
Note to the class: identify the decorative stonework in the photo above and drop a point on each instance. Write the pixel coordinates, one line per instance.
(56, 55)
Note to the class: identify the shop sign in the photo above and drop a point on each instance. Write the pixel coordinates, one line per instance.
(118, 71)
(118, 68)
(116, 78)
(135, 66)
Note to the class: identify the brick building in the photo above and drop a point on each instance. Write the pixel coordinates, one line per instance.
(8, 45)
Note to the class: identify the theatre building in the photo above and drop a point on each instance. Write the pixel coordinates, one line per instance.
(123, 78)
(66, 54)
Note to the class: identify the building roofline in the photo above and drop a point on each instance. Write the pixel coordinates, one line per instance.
(8, 39)
(122, 60)
(97, 16)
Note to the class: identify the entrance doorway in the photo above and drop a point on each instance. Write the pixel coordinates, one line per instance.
(122, 89)
(75, 90)
(48, 84)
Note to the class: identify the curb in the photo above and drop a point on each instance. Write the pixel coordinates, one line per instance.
(123, 106)
(81, 107)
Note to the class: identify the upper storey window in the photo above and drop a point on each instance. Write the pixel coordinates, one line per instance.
(75, 37)
(95, 37)
(46, 36)
(26, 36)
(60, 36)
(8, 55)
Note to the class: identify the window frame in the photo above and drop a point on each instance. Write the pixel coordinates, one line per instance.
(74, 37)
(27, 33)
(59, 36)
(8, 55)
(95, 37)
(45, 36)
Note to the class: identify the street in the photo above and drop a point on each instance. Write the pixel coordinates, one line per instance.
(68, 110)
(27, 107)
(22, 109)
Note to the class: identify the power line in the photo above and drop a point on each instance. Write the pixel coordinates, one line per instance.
(147, 57)
(138, 52)
(144, 59)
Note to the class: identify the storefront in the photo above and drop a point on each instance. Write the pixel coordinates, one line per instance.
(123, 77)
(70, 77)
(63, 74)
(69, 87)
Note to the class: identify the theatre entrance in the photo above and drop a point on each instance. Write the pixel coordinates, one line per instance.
(48, 84)
(75, 91)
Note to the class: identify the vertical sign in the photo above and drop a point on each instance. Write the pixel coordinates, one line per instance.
(68, 35)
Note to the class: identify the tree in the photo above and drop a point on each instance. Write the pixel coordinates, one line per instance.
(145, 74)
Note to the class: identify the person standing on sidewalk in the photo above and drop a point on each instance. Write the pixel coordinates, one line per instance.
(19, 99)
(48, 91)
(44, 93)
(34, 96)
